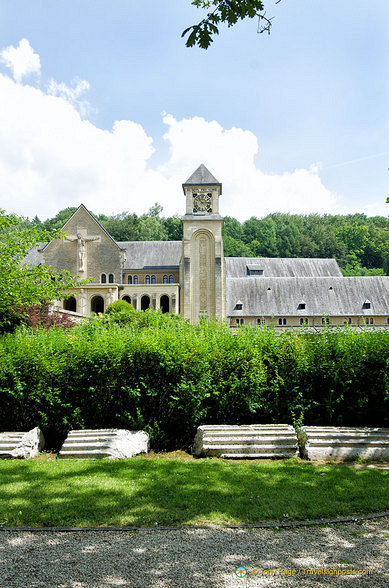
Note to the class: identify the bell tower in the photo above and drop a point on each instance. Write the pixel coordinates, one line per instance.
(203, 283)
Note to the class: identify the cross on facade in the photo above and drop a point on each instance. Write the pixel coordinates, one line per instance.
(81, 247)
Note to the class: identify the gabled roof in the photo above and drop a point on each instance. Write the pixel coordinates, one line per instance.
(236, 267)
(151, 254)
(328, 296)
(99, 225)
(202, 176)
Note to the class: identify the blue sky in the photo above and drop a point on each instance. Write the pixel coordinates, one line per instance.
(103, 104)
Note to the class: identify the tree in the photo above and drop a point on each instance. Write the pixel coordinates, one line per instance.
(23, 284)
(122, 226)
(59, 220)
(224, 11)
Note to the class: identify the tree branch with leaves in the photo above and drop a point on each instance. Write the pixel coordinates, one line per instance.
(224, 11)
(24, 284)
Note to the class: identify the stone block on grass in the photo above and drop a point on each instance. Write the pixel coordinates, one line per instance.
(104, 443)
(346, 443)
(21, 445)
(245, 441)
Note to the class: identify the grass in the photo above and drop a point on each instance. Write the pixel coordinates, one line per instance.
(178, 490)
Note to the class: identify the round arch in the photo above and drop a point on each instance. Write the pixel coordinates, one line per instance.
(127, 299)
(164, 303)
(203, 264)
(70, 304)
(97, 304)
(145, 302)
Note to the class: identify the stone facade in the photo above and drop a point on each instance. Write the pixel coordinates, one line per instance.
(193, 278)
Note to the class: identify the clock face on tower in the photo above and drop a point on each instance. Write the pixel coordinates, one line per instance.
(202, 203)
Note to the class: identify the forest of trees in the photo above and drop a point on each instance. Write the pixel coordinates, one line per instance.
(359, 243)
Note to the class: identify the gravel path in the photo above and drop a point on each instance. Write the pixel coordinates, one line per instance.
(197, 557)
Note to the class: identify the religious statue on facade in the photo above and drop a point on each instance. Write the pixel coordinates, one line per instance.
(81, 249)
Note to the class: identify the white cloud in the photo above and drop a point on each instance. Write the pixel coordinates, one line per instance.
(230, 156)
(51, 158)
(72, 93)
(21, 60)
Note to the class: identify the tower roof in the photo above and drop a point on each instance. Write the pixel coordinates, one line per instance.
(202, 176)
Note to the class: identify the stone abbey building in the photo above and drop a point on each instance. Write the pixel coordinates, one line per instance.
(193, 278)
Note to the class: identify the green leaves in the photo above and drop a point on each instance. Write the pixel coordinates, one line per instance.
(23, 284)
(224, 11)
(171, 377)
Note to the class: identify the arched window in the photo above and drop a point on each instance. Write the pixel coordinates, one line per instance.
(70, 304)
(153, 279)
(110, 278)
(129, 280)
(135, 279)
(103, 279)
(171, 279)
(127, 299)
(165, 279)
(97, 304)
(147, 281)
(164, 303)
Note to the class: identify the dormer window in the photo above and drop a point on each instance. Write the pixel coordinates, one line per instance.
(366, 304)
(301, 305)
(254, 270)
(239, 305)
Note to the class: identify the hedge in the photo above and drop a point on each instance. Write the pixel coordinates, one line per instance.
(167, 377)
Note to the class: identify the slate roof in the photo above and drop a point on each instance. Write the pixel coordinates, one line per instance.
(332, 296)
(32, 257)
(151, 254)
(236, 267)
(202, 176)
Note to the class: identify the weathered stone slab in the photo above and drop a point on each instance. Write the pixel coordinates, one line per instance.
(108, 443)
(246, 441)
(21, 445)
(342, 443)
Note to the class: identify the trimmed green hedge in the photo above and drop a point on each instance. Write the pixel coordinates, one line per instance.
(160, 374)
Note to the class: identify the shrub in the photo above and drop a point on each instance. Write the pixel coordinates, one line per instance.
(119, 306)
(44, 316)
(161, 374)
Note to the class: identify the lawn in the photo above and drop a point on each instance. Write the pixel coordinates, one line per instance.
(178, 490)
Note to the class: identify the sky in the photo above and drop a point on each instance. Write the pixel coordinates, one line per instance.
(101, 103)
